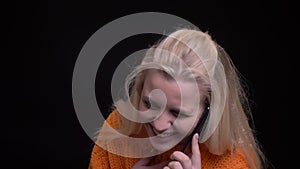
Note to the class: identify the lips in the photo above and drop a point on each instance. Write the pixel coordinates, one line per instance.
(161, 135)
(162, 141)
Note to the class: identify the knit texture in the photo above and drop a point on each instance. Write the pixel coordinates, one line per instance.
(102, 159)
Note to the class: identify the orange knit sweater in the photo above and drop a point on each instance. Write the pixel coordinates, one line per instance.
(102, 159)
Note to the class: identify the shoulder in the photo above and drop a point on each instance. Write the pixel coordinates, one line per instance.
(99, 158)
(233, 160)
(113, 119)
(103, 159)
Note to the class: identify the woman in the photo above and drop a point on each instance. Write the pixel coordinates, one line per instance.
(182, 79)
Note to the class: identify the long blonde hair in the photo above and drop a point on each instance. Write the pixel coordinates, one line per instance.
(216, 75)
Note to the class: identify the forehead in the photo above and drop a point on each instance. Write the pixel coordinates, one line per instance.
(155, 77)
(176, 90)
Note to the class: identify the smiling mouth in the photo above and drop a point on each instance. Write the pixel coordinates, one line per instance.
(161, 135)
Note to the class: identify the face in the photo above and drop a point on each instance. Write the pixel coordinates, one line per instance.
(174, 121)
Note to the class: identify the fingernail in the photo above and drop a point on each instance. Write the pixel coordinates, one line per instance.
(171, 156)
(196, 136)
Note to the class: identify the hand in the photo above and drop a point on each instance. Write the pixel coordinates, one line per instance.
(143, 164)
(182, 161)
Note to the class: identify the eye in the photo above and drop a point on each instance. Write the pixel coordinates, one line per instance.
(147, 104)
(175, 113)
(152, 106)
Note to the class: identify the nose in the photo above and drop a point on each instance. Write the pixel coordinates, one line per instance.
(163, 122)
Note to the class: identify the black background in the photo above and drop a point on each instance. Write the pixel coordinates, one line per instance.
(41, 126)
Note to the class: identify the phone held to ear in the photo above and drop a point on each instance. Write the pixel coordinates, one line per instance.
(198, 128)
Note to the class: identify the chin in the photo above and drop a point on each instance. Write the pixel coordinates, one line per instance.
(163, 145)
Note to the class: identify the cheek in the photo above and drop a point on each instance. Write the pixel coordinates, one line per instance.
(186, 125)
(140, 106)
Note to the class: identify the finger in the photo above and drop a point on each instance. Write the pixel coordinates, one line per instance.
(166, 167)
(196, 155)
(175, 165)
(184, 160)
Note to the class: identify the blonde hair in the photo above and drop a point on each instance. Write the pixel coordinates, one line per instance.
(227, 127)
